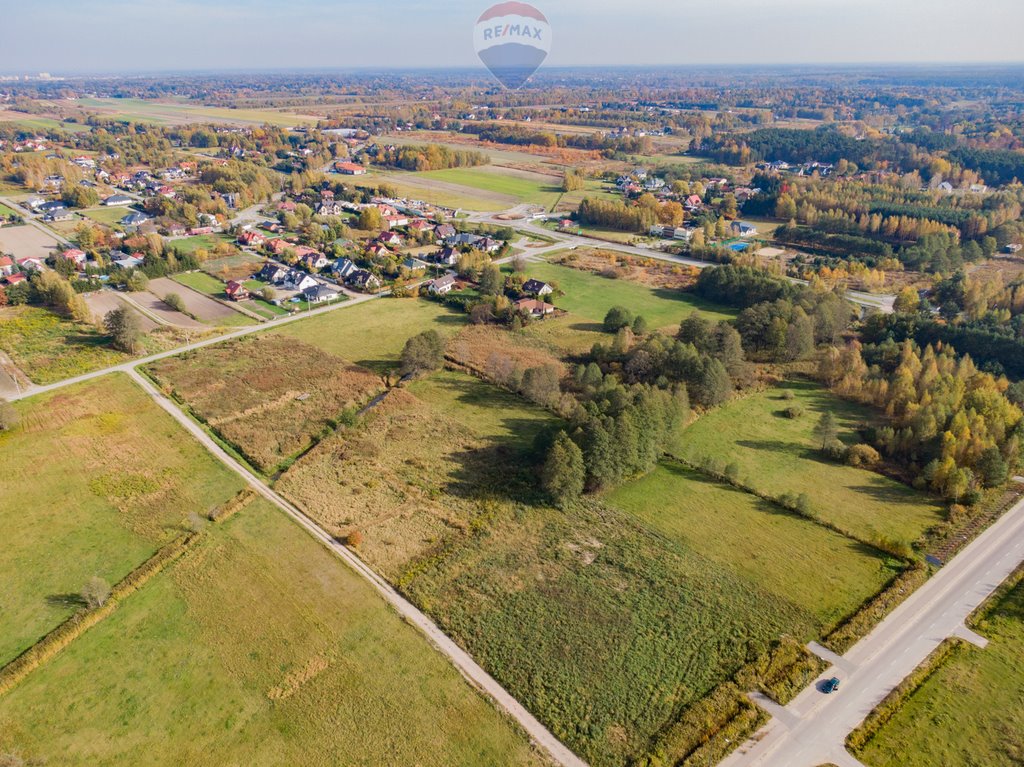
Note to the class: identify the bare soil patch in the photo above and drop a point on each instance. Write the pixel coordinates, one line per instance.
(203, 307)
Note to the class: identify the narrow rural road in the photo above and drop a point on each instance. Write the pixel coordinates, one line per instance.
(459, 657)
(812, 729)
(127, 367)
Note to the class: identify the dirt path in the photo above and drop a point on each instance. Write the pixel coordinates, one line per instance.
(469, 668)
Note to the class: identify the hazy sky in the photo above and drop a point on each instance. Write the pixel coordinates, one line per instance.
(146, 35)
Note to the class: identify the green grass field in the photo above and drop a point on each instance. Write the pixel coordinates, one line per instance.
(258, 647)
(969, 712)
(412, 185)
(484, 409)
(202, 282)
(206, 241)
(110, 216)
(777, 455)
(373, 334)
(50, 348)
(5, 211)
(759, 542)
(95, 478)
(589, 296)
(540, 190)
(176, 111)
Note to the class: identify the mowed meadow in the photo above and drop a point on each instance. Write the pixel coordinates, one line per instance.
(257, 647)
(96, 477)
(776, 454)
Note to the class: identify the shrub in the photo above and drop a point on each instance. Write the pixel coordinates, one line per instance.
(616, 318)
(8, 415)
(354, 539)
(95, 593)
(834, 450)
(175, 301)
(862, 455)
(788, 395)
(793, 411)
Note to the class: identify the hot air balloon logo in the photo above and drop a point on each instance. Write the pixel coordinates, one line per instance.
(512, 40)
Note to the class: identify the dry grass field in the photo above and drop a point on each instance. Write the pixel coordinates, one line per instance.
(268, 395)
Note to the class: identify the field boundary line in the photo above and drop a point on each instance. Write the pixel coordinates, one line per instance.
(463, 662)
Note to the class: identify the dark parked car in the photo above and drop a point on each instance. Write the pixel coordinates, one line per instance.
(830, 685)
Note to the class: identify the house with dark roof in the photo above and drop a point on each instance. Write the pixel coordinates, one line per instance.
(319, 293)
(363, 280)
(537, 288)
(441, 285)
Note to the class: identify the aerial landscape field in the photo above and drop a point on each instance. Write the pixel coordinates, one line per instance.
(626, 395)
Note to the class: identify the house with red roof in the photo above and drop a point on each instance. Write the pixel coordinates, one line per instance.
(73, 254)
(236, 291)
(6, 266)
(252, 239)
(349, 168)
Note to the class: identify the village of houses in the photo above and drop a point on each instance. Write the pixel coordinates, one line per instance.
(414, 243)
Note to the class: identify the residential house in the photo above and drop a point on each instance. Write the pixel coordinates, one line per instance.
(447, 256)
(118, 200)
(343, 267)
(393, 239)
(319, 293)
(463, 239)
(537, 288)
(298, 280)
(314, 261)
(442, 285)
(414, 264)
(272, 273)
(287, 206)
(251, 239)
(75, 255)
(946, 187)
(377, 250)
(328, 208)
(363, 280)
(59, 214)
(6, 266)
(741, 229)
(444, 231)
(134, 219)
(694, 202)
(489, 245)
(176, 230)
(31, 264)
(123, 260)
(420, 225)
(349, 168)
(236, 291)
(14, 279)
(534, 308)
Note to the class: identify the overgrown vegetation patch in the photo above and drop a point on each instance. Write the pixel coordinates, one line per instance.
(267, 395)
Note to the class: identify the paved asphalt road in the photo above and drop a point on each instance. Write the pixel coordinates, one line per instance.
(459, 657)
(867, 300)
(812, 729)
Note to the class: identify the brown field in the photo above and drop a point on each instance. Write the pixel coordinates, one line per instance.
(417, 472)
(25, 241)
(647, 272)
(269, 396)
(203, 307)
(155, 306)
(103, 301)
(477, 345)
